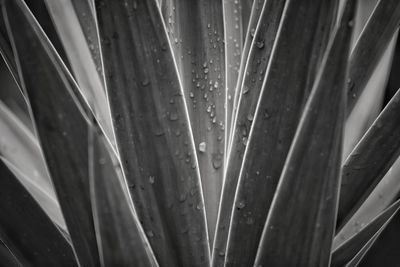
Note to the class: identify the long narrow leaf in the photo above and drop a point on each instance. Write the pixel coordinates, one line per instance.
(258, 59)
(20, 149)
(196, 34)
(266, 131)
(153, 131)
(83, 64)
(348, 250)
(7, 53)
(370, 160)
(370, 102)
(7, 258)
(301, 222)
(60, 124)
(363, 252)
(236, 18)
(381, 197)
(370, 46)
(255, 16)
(86, 14)
(120, 237)
(26, 230)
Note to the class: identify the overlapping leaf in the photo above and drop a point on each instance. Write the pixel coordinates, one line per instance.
(120, 237)
(236, 19)
(273, 116)
(348, 250)
(81, 46)
(370, 47)
(254, 18)
(21, 150)
(255, 70)
(196, 34)
(370, 160)
(28, 233)
(301, 221)
(153, 131)
(60, 125)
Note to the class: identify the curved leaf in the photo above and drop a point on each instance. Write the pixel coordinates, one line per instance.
(348, 250)
(256, 66)
(7, 258)
(60, 123)
(26, 230)
(196, 34)
(79, 51)
(120, 237)
(255, 16)
(370, 160)
(301, 222)
(370, 47)
(153, 131)
(21, 150)
(276, 111)
(380, 198)
(236, 18)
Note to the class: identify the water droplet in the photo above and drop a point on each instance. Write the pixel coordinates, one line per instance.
(151, 179)
(245, 90)
(250, 117)
(102, 161)
(266, 114)
(249, 221)
(252, 32)
(216, 161)
(150, 233)
(240, 204)
(145, 82)
(202, 147)
(173, 116)
(260, 44)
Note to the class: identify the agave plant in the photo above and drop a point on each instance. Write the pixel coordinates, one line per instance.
(197, 133)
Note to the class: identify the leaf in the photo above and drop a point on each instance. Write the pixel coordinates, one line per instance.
(153, 131)
(7, 53)
(120, 237)
(254, 18)
(256, 66)
(361, 254)
(370, 102)
(6, 256)
(61, 124)
(36, 243)
(270, 111)
(348, 250)
(78, 49)
(370, 160)
(86, 14)
(301, 221)
(196, 34)
(370, 47)
(380, 198)
(236, 18)
(21, 151)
